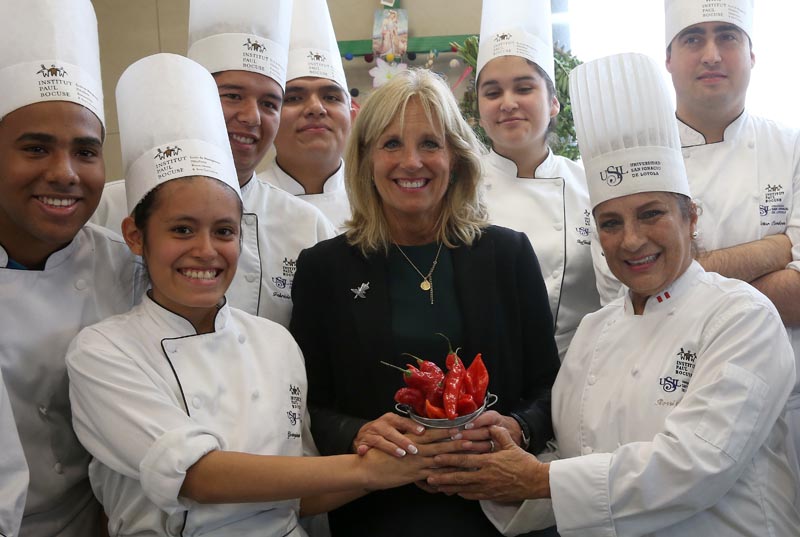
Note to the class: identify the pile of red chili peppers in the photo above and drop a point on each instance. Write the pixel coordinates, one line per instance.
(431, 393)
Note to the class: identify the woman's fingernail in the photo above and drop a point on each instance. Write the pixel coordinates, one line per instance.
(413, 449)
(420, 429)
(457, 436)
(469, 425)
(400, 452)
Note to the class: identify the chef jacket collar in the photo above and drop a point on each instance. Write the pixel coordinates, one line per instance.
(545, 170)
(54, 260)
(176, 324)
(691, 137)
(288, 183)
(669, 297)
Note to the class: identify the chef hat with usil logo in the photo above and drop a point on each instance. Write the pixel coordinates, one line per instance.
(517, 28)
(313, 50)
(680, 14)
(49, 52)
(241, 35)
(171, 125)
(626, 128)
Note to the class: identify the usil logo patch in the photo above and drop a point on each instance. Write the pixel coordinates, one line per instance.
(612, 175)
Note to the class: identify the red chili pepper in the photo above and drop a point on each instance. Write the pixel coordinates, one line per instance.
(433, 411)
(451, 354)
(480, 379)
(452, 388)
(427, 366)
(466, 405)
(436, 395)
(413, 398)
(414, 378)
(467, 385)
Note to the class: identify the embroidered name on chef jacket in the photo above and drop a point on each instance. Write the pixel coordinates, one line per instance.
(684, 369)
(295, 415)
(285, 279)
(584, 231)
(773, 209)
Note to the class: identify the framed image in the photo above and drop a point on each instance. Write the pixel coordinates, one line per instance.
(390, 32)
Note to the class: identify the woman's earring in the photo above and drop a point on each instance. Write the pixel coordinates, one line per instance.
(695, 234)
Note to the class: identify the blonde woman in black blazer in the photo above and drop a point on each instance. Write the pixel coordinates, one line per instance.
(418, 258)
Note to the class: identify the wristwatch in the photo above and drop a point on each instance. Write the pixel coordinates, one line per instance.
(526, 431)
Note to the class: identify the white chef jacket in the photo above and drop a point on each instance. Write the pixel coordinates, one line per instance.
(553, 210)
(671, 423)
(747, 187)
(276, 226)
(13, 469)
(150, 397)
(332, 202)
(93, 277)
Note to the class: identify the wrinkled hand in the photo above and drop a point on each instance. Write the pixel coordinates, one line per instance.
(387, 434)
(478, 430)
(509, 474)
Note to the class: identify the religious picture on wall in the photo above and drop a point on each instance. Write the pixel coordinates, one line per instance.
(390, 32)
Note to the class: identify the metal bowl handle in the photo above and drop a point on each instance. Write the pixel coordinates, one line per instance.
(402, 409)
(491, 399)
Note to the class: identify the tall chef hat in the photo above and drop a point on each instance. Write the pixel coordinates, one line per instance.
(49, 52)
(517, 28)
(241, 35)
(680, 14)
(313, 50)
(171, 125)
(627, 133)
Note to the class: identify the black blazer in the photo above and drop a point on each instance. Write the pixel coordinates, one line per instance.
(505, 315)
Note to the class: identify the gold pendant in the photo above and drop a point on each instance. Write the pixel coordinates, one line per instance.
(425, 285)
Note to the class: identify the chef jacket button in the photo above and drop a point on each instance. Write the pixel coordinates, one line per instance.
(242, 338)
(635, 370)
(751, 144)
(169, 347)
(587, 450)
(591, 380)
(250, 277)
(196, 402)
(80, 285)
(557, 226)
(59, 468)
(555, 274)
(255, 395)
(43, 410)
(250, 219)
(686, 154)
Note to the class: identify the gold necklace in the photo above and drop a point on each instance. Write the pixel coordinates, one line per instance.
(427, 280)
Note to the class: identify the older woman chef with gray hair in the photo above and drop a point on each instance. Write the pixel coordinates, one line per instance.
(668, 408)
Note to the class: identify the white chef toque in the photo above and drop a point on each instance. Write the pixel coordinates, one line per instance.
(171, 125)
(680, 14)
(241, 35)
(517, 28)
(313, 50)
(626, 128)
(49, 52)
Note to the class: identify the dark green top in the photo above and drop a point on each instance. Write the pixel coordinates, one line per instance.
(415, 320)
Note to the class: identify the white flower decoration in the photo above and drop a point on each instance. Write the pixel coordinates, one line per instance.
(383, 72)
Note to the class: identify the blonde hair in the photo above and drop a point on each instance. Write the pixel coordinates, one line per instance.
(463, 212)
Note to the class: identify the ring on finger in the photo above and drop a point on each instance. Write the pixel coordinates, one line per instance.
(491, 446)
